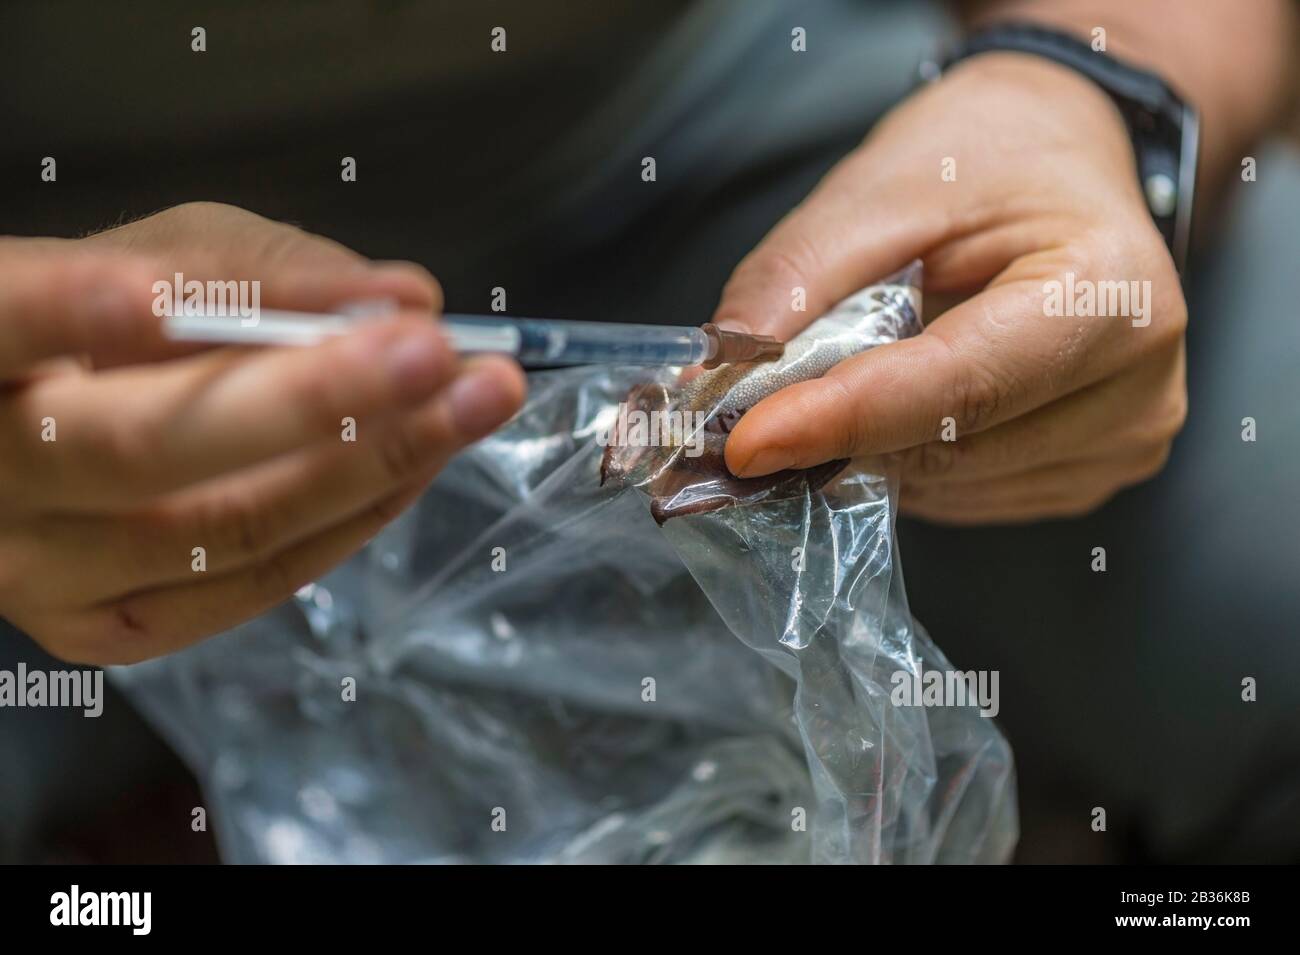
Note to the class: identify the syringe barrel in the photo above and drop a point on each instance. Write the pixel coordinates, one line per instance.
(542, 342)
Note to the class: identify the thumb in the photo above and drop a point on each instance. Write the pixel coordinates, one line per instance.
(835, 242)
(901, 394)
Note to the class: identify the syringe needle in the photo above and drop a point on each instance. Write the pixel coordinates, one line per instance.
(534, 342)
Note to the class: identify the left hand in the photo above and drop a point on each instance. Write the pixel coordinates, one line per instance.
(1052, 414)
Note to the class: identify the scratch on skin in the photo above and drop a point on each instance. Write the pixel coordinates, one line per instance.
(128, 620)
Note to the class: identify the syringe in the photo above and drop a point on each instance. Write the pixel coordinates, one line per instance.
(534, 342)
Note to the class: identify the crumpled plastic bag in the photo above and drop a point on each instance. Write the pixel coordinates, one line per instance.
(527, 668)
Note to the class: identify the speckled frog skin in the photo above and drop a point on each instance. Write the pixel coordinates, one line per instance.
(680, 484)
(853, 326)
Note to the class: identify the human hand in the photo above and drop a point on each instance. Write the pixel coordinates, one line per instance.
(120, 452)
(1051, 415)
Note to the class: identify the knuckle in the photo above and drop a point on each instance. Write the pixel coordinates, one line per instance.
(1152, 463)
(790, 260)
(239, 524)
(1168, 330)
(787, 264)
(979, 395)
(205, 210)
(1161, 424)
(283, 242)
(934, 459)
(277, 577)
(1168, 315)
(389, 508)
(1168, 286)
(1175, 411)
(78, 275)
(123, 445)
(148, 542)
(414, 269)
(402, 454)
(1176, 315)
(177, 223)
(848, 431)
(317, 397)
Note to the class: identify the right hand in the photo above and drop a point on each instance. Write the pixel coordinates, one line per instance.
(161, 448)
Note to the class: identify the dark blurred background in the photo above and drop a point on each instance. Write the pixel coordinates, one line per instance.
(1118, 689)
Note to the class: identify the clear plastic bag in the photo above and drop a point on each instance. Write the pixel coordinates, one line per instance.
(543, 673)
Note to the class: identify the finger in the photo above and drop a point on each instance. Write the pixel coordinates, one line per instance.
(247, 518)
(1053, 491)
(1144, 409)
(849, 231)
(295, 269)
(990, 359)
(56, 300)
(160, 621)
(60, 298)
(308, 288)
(124, 435)
(152, 623)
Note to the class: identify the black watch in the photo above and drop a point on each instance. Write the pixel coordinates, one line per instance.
(1164, 129)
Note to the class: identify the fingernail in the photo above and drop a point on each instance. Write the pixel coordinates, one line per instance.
(417, 364)
(478, 403)
(767, 461)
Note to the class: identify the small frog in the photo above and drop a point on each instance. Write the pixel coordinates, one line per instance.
(680, 483)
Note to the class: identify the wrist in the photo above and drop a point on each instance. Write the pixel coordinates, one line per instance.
(1232, 67)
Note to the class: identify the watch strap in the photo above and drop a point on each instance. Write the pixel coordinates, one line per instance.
(1164, 129)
